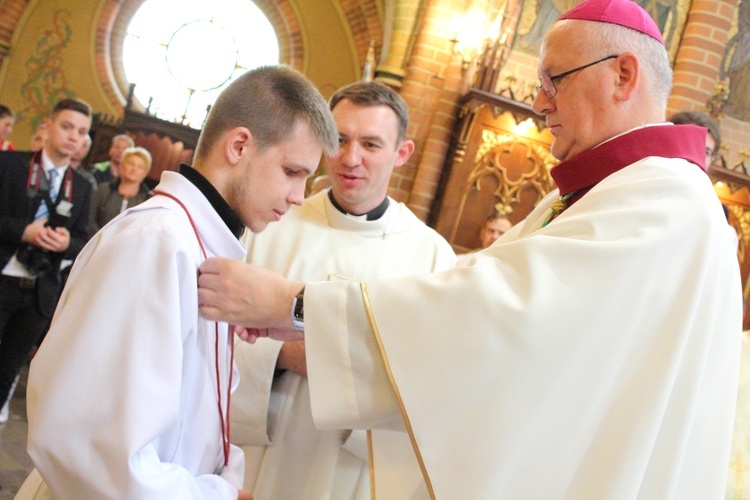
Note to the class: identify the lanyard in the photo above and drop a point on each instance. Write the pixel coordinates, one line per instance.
(36, 172)
(225, 436)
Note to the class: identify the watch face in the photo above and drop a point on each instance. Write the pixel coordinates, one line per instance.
(298, 310)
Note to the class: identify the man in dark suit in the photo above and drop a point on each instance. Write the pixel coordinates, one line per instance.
(44, 210)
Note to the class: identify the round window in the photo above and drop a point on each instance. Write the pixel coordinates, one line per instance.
(181, 53)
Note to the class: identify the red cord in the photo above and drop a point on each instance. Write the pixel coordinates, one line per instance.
(225, 431)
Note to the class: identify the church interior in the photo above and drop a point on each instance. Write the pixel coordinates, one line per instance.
(466, 68)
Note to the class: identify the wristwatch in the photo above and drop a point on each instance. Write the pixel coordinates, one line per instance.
(298, 310)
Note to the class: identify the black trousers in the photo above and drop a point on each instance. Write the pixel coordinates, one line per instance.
(21, 326)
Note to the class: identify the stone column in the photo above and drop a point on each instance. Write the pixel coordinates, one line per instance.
(406, 16)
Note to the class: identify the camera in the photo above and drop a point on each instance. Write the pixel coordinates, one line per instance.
(38, 261)
(35, 260)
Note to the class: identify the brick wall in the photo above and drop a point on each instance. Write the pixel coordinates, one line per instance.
(432, 88)
(696, 68)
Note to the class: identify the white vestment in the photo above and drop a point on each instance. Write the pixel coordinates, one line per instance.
(122, 395)
(738, 481)
(290, 458)
(595, 358)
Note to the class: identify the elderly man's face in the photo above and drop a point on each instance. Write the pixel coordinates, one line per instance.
(115, 151)
(579, 116)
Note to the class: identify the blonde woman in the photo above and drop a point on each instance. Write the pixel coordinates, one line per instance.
(124, 192)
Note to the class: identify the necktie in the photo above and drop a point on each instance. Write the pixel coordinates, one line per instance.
(42, 211)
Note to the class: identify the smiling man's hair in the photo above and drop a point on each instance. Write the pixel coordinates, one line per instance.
(375, 94)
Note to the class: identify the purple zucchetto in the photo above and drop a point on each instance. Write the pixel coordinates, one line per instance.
(622, 12)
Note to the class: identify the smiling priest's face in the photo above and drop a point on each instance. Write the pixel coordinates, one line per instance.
(368, 151)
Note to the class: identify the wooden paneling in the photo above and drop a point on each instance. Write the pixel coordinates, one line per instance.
(733, 189)
(169, 143)
(499, 161)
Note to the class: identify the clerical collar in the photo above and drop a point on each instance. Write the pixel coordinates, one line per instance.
(230, 218)
(584, 171)
(373, 214)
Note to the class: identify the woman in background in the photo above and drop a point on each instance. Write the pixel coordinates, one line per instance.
(7, 118)
(124, 192)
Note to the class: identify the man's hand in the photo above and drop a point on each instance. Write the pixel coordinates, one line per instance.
(292, 358)
(31, 232)
(244, 495)
(56, 240)
(246, 295)
(250, 335)
(44, 237)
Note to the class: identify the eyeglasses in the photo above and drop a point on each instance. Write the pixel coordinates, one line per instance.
(547, 83)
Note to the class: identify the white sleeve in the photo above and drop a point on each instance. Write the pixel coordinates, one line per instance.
(349, 387)
(446, 257)
(251, 402)
(107, 390)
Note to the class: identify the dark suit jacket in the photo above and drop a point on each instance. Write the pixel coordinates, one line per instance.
(17, 210)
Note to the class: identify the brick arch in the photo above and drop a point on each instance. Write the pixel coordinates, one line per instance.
(10, 15)
(365, 25)
(283, 18)
(117, 14)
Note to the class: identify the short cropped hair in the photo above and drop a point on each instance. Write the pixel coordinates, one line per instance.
(610, 39)
(701, 119)
(124, 137)
(139, 152)
(6, 111)
(269, 101)
(73, 104)
(375, 94)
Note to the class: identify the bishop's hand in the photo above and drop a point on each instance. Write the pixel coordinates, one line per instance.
(247, 296)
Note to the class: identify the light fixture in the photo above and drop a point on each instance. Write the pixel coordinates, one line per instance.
(470, 37)
(524, 128)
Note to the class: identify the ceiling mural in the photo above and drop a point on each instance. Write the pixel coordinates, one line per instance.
(45, 81)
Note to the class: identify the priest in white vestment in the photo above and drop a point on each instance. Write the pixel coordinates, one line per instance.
(592, 352)
(129, 398)
(351, 231)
